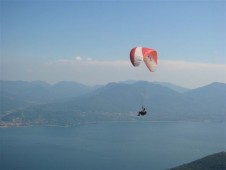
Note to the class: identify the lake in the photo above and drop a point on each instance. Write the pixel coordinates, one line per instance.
(110, 145)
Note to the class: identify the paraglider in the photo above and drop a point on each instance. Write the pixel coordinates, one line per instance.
(150, 58)
(142, 112)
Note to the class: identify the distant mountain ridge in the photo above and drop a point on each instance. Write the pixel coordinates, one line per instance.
(67, 103)
(165, 84)
(42, 92)
(173, 87)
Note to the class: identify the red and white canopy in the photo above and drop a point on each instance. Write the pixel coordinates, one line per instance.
(148, 55)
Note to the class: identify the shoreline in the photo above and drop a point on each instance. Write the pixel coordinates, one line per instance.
(20, 125)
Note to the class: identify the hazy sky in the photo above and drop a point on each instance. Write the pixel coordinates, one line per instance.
(89, 41)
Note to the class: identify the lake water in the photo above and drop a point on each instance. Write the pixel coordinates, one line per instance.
(110, 146)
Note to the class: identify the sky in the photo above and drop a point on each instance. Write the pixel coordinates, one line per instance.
(89, 41)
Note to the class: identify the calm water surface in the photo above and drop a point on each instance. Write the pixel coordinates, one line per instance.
(110, 146)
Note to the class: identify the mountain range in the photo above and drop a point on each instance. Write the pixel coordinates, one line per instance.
(68, 103)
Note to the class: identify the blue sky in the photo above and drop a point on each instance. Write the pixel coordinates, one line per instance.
(78, 40)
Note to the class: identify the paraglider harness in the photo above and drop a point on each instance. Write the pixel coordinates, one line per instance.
(142, 112)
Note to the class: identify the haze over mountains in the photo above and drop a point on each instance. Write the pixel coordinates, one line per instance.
(68, 103)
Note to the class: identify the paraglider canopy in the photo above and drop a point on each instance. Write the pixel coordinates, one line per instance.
(148, 55)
